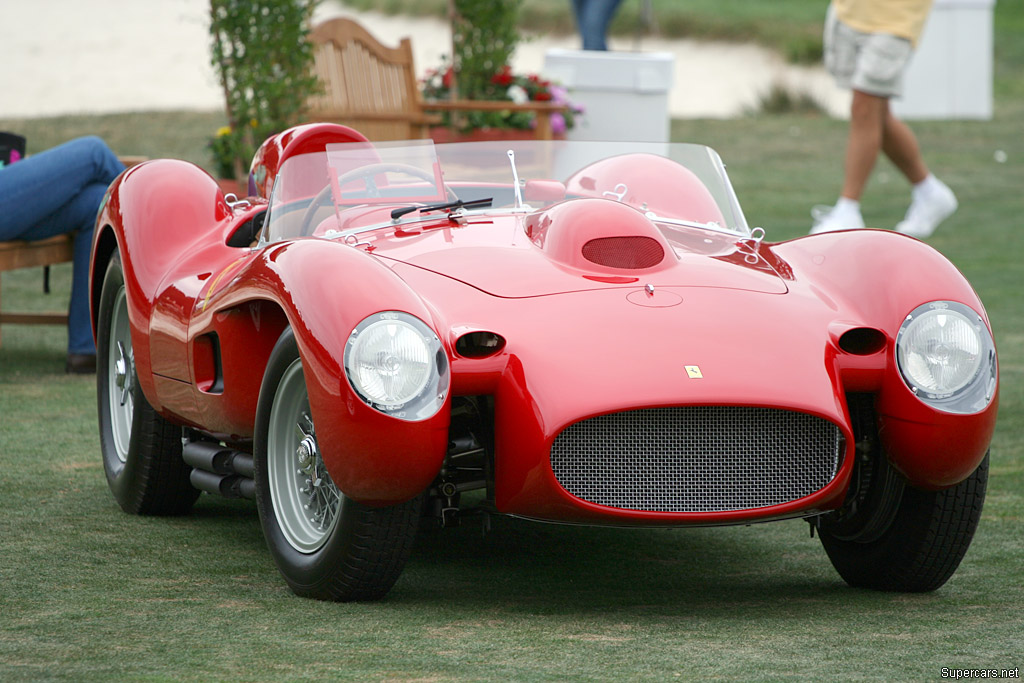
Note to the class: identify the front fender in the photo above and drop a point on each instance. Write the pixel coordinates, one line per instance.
(880, 277)
(326, 289)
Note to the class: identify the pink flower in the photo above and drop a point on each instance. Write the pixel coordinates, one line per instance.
(558, 126)
(559, 95)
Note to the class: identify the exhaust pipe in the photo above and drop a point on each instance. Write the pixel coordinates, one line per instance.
(227, 485)
(220, 470)
(218, 459)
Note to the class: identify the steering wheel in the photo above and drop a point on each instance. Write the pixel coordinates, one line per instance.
(367, 172)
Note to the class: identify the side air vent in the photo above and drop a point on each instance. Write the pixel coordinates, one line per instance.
(627, 253)
(479, 344)
(862, 341)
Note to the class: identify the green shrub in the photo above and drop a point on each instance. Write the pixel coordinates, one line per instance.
(262, 53)
(485, 35)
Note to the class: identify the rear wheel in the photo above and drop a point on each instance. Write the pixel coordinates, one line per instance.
(141, 450)
(326, 545)
(901, 538)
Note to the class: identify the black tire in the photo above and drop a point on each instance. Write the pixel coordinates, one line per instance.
(141, 450)
(326, 545)
(921, 547)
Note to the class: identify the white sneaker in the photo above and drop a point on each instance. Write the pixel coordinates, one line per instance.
(927, 210)
(830, 219)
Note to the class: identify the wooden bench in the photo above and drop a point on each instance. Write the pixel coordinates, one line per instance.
(21, 254)
(373, 88)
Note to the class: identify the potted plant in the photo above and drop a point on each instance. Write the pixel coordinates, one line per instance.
(262, 55)
(484, 38)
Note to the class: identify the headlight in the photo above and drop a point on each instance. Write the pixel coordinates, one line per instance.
(395, 363)
(947, 357)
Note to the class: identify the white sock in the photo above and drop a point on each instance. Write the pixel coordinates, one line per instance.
(847, 206)
(927, 186)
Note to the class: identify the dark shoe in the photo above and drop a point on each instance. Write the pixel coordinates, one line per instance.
(81, 364)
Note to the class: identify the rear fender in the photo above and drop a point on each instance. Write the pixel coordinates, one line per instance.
(153, 213)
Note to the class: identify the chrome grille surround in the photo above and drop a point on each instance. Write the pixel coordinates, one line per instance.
(697, 458)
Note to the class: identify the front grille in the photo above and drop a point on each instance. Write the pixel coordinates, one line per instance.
(696, 459)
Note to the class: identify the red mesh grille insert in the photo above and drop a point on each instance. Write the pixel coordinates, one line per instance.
(624, 252)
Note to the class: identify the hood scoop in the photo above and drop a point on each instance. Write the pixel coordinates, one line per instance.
(586, 244)
(600, 237)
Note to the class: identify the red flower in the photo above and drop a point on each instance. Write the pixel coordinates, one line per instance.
(542, 96)
(446, 80)
(503, 77)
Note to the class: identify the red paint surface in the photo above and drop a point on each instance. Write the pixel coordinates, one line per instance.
(581, 340)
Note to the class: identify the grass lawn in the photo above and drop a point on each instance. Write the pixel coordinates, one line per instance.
(90, 593)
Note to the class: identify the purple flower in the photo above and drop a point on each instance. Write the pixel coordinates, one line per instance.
(557, 123)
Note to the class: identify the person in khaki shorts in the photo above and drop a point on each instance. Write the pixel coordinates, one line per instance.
(868, 45)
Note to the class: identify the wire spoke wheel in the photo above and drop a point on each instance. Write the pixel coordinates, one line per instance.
(141, 450)
(306, 501)
(326, 545)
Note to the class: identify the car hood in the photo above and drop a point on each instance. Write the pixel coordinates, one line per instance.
(582, 245)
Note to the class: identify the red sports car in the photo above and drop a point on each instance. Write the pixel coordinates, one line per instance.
(387, 335)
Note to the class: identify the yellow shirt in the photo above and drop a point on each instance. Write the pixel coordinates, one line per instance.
(903, 18)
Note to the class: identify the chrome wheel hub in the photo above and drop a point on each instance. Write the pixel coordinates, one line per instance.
(123, 371)
(120, 376)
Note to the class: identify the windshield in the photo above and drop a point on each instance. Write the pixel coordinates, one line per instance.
(343, 189)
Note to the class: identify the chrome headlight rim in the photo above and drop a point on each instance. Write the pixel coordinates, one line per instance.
(429, 395)
(977, 391)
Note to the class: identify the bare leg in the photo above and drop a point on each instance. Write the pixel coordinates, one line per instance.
(868, 114)
(900, 145)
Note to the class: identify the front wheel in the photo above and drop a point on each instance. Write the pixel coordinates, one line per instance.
(326, 545)
(141, 450)
(923, 537)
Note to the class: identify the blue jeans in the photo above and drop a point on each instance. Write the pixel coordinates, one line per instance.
(59, 191)
(592, 19)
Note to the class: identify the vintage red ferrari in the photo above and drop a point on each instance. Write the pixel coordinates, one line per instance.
(387, 335)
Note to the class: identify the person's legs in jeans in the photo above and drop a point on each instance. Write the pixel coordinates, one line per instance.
(36, 187)
(56, 192)
(593, 18)
(80, 212)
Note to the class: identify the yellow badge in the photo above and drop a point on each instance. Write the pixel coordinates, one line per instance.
(693, 372)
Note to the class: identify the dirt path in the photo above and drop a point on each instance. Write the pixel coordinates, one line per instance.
(69, 56)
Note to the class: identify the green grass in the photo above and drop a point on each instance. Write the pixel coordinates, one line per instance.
(90, 593)
(161, 134)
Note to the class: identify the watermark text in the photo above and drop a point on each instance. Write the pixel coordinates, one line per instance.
(958, 674)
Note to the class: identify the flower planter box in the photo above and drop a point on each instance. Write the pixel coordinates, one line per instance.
(542, 110)
(443, 134)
